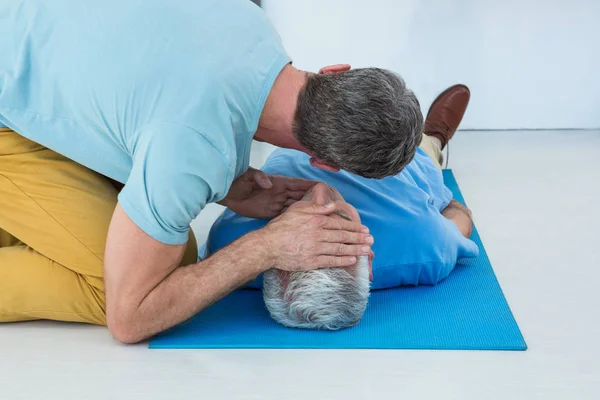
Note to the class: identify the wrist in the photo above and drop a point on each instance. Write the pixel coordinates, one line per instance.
(259, 244)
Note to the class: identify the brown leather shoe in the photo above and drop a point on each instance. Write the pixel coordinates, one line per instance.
(446, 112)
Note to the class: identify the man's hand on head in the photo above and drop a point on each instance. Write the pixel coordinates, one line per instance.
(255, 194)
(307, 237)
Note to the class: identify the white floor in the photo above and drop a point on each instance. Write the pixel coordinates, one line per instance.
(535, 199)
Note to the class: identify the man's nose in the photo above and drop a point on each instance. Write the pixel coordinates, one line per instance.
(322, 194)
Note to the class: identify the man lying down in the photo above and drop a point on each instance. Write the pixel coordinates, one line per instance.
(420, 232)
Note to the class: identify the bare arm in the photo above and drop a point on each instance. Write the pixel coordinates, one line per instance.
(461, 216)
(146, 291)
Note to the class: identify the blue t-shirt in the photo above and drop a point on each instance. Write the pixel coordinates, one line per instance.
(414, 243)
(164, 96)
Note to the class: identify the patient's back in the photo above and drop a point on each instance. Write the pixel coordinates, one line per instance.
(414, 243)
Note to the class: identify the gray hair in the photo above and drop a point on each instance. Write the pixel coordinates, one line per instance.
(329, 298)
(365, 121)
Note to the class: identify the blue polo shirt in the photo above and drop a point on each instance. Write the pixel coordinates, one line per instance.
(163, 96)
(414, 243)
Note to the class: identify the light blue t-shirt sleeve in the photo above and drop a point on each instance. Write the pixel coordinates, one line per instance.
(176, 172)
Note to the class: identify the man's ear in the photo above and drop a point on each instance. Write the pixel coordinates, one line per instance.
(315, 162)
(335, 69)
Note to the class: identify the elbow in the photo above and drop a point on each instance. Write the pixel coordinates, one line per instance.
(124, 326)
(124, 336)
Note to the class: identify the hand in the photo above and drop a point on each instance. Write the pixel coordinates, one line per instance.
(255, 194)
(305, 237)
(371, 257)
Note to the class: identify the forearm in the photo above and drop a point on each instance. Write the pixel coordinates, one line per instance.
(460, 216)
(146, 291)
(188, 290)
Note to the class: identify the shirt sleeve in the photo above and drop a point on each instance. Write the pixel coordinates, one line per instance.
(176, 171)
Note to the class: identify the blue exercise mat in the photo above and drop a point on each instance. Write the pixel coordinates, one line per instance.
(466, 311)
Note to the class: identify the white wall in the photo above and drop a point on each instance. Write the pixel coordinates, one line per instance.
(529, 63)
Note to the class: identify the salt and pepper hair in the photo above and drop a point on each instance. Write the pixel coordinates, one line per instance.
(329, 298)
(364, 121)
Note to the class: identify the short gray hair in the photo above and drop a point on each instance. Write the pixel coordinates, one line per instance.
(365, 121)
(329, 298)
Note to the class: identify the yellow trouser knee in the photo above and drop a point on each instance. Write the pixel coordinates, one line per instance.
(54, 217)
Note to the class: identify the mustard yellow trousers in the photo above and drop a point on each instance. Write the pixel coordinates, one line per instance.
(54, 218)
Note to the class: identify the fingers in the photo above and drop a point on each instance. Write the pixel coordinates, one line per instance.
(276, 207)
(289, 202)
(332, 261)
(292, 194)
(339, 236)
(296, 194)
(262, 180)
(282, 205)
(371, 256)
(343, 225)
(294, 184)
(287, 199)
(339, 249)
(329, 223)
(311, 208)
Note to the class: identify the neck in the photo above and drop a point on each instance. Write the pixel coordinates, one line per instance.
(277, 118)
